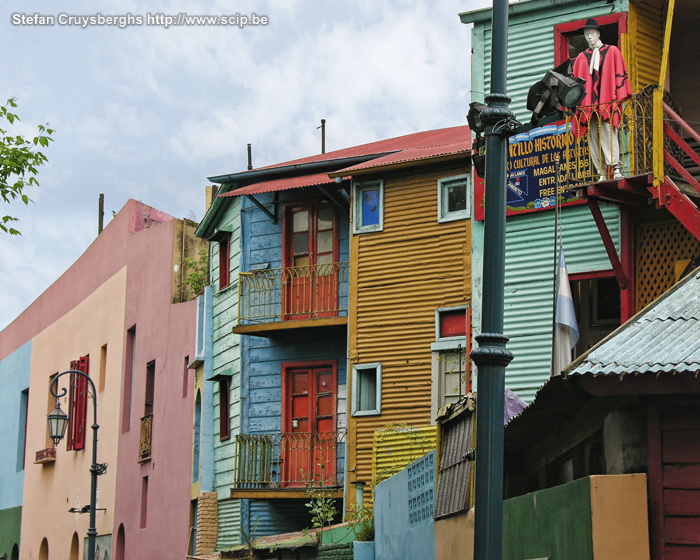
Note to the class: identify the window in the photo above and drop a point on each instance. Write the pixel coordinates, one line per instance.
(310, 253)
(129, 361)
(453, 199)
(22, 435)
(144, 502)
(224, 407)
(368, 207)
(185, 377)
(569, 41)
(451, 367)
(103, 368)
(150, 388)
(224, 260)
(77, 405)
(367, 389)
(597, 304)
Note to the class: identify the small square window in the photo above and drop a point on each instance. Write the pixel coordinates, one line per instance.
(366, 389)
(368, 207)
(453, 199)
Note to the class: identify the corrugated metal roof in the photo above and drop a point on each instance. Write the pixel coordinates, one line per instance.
(414, 147)
(663, 337)
(283, 184)
(438, 137)
(412, 154)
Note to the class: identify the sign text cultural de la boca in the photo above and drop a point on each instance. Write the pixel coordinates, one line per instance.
(539, 170)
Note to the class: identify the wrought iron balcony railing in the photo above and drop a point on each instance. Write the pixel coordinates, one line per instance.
(145, 437)
(644, 135)
(289, 460)
(292, 293)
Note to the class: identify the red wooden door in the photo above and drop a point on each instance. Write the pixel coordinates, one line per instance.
(309, 425)
(310, 280)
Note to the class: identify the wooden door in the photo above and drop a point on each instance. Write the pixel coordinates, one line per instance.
(310, 279)
(309, 425)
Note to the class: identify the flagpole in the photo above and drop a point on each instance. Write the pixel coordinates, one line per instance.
(557, 248)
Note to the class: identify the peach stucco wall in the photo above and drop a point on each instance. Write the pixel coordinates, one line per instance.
(619, 517)
(51, 489)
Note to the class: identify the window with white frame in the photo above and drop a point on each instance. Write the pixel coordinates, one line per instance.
(450, 363)
(368, 207)
(366, 389)
(453, 198)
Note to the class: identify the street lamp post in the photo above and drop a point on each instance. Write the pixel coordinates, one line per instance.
(58, 420)
(492, 357)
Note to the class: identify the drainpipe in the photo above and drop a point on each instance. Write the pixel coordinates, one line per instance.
(491, 357)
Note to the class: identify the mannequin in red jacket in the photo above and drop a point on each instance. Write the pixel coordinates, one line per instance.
(605, 73)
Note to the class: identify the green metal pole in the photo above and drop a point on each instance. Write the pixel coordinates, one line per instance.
(96, 469)
(491, 357)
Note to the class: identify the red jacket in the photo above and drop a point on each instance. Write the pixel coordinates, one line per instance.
(603, 88)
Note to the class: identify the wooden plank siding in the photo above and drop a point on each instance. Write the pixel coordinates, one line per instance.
(226, 357)
(674, 469)
(263, 358)
(399, 277)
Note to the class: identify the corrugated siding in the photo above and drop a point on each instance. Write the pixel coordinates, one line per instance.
(396, 448)
(400, 276)
(229, 523)
(645, 40)
(530, 48)
(530, 248)
(275, 517)
(226, 356)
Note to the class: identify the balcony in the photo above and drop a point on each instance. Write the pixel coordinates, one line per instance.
(287, 465)
(44, 456)
(659, 154)
(145, 438)
(293, 297)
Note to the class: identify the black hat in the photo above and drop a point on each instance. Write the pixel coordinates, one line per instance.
(591, 23)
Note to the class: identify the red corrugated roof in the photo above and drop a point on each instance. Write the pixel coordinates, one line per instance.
(283, 184)
(425, 139)
(412, 147)
(411, 154)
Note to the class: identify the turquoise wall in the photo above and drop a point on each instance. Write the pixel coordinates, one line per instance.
(226, 360)
(14, 380)
(530, 238)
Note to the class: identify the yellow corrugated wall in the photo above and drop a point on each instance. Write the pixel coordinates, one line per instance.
(643, 42)
(398, 446)
(398, 278)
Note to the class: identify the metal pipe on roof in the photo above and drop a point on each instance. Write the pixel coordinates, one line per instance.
(250, 157)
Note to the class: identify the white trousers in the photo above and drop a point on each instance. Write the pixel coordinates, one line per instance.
(603, 141)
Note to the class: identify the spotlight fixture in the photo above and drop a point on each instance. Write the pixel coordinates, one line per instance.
(553, 92)
(474, 117)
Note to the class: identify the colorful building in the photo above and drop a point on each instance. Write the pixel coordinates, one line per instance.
(622, 235)
(410, 297)
(112, 315)
(281, 352)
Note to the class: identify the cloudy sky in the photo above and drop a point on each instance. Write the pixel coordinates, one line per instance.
(148, 111)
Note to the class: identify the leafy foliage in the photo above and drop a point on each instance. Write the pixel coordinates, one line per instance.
(362, 522)
(19, 161)
(198, 275)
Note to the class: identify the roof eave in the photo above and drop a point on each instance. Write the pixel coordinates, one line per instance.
(398, 165)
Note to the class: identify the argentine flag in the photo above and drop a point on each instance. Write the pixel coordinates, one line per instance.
(565, 325)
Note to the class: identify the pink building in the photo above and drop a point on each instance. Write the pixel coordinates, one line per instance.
(115, 313)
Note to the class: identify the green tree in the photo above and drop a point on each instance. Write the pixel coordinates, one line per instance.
(19, 161)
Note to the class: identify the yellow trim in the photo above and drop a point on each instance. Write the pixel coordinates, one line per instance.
(658, 134)
(667, 43)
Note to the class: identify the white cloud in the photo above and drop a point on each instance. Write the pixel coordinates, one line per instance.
(148, 113)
